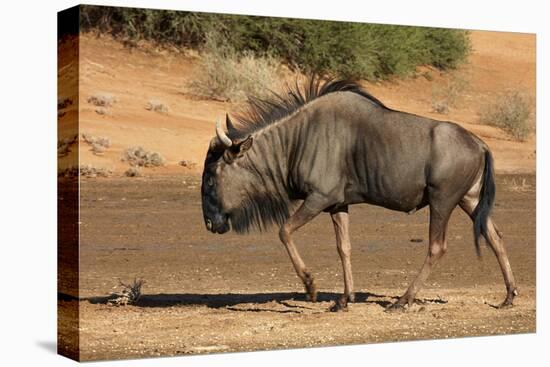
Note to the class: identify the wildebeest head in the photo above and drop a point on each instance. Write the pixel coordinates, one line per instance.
(222, 154)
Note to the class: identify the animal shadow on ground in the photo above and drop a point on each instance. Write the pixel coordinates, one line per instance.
(230, 300)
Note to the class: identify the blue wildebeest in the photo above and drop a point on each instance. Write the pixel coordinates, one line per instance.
(330, 144)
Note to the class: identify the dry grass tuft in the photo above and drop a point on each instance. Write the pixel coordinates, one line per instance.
(519, 185)
(63, 102)
(156, 106)
(99, 143)
(91, 171)
(188, 164)
(64, 145)
(137, 156)
(87, 171)
(510, 112)
(133, 172)
(228, 76)
(102, 100)
(103, 111)
(445, 97)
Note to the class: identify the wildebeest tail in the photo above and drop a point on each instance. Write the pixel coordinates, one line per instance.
(486, 200)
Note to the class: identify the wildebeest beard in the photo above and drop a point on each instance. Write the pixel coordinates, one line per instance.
(260, 211)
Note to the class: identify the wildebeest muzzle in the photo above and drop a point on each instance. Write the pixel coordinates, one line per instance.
(218, 224)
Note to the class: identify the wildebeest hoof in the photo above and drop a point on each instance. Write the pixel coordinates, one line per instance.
(506, 304)
(311, 293)
(395, 307)
(311, 289)
(337, 307)
(340, 305)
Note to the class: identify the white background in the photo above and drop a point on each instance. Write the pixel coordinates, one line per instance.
(28, 181)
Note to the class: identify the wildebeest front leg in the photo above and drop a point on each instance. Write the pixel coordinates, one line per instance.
(340, 219)
(306, 212)
(437, 248)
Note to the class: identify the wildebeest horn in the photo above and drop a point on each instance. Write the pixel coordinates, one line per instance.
(229, 124)
(222, 137)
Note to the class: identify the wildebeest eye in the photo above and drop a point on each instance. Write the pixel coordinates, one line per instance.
(210, 181)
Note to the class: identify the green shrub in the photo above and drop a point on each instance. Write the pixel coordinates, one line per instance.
(359, 50)
(510, 112)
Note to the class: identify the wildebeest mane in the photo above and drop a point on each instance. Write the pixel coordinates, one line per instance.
(261, 112)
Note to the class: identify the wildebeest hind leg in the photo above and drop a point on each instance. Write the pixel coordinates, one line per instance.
(439, 218)
(494, 239)
(340, 219)
(306, 212)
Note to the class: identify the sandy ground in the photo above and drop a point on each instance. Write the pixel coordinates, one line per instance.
(209, 293)
(499, 61)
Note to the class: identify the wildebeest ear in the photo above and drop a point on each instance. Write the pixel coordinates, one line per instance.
(237, 150)
(245, 144)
